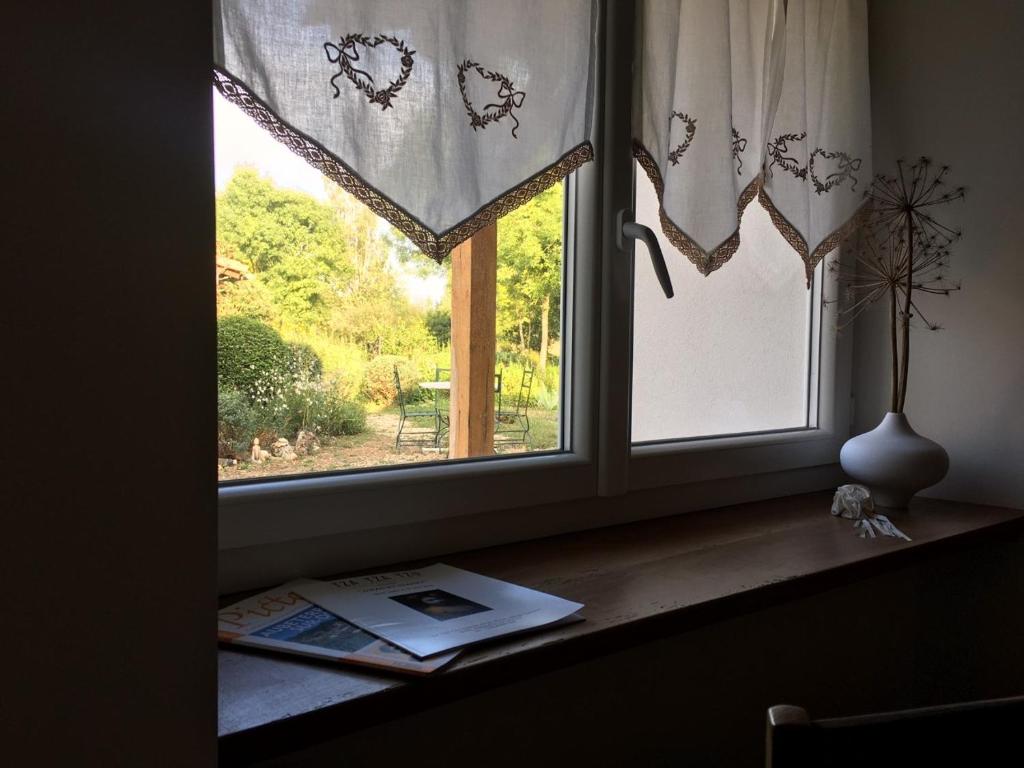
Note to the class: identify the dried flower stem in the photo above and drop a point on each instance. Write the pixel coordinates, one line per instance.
(907, 306)
(904, 249)
(894, 391)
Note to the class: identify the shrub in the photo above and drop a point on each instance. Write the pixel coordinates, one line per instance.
(342, 417)
(547, 399)
(237, 424)
(543, 392)
(249, 298)
(553, 375)
(344, 364)
(304, 364)
(439, 323)
(379, 380)
(317, 407)
(252, 359)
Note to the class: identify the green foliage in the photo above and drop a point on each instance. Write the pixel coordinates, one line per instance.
(323, 318)
(543, 392)
(237, 423)
(253, 359)
(343, 362)
(342, 417)
(319, 408)
(439, 324)
(380, 320)
(265, 225)
(295, 246)
(530, 268)
(304, 363)
(548, 399)
(379, 380)
(247, 298)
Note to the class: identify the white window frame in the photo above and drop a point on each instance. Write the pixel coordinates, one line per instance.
(285, 527)
(295, 508)
(692, 460)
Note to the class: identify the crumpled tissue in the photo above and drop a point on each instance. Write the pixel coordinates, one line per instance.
(854, 502)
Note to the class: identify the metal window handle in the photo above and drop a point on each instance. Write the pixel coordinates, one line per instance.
(635, 231)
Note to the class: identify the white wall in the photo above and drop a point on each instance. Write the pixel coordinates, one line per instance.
(946, 79)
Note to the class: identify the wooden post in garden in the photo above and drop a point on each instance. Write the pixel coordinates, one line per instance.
(474, 285)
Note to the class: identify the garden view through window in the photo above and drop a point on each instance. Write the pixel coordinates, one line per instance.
(334, 331)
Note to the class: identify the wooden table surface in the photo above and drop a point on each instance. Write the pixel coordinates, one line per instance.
(638, 582)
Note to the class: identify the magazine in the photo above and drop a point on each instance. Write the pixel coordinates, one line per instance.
(281, 620)
(433, 610)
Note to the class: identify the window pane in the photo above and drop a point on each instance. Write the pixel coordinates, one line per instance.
(730, 353)
(320, 303)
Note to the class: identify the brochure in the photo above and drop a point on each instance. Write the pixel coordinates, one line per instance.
(432, 610)
(281, 620)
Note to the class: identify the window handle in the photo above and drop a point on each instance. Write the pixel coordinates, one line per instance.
(635, 231)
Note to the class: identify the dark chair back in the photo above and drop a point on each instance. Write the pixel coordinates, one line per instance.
(400, 394)
(977, 733)
(525, 387)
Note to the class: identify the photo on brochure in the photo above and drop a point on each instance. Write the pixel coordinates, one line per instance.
(439, 604)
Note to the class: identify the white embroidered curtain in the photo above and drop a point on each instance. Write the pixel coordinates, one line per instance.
(443, 115)
(754, 98)
(440, 115)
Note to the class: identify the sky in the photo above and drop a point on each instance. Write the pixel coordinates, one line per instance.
(237, 140)
(240, 141)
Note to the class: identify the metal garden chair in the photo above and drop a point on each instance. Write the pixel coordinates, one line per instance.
(442, 403)
(512, 427)
(412, 433)
(442, 399)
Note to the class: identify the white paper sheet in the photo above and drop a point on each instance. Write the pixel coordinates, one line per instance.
(436, 609)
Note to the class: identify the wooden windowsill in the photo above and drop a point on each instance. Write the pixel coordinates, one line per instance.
(639, 582)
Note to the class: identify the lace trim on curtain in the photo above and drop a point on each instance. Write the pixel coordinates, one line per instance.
(434, 245)
(705, 262)
(796, 240)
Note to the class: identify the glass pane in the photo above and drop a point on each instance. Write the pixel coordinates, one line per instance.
(730, 352)
(325, 310)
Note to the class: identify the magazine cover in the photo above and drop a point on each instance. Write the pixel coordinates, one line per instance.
(281, 620)
(436, 609)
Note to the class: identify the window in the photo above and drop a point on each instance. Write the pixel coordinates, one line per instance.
(335, 334)
(631, 409)
(733, 354)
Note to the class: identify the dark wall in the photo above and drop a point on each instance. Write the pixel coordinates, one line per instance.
(943, 631)
(107, 321)
(946, 82)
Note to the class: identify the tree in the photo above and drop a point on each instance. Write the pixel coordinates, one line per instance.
(530, 270)
(295, 246)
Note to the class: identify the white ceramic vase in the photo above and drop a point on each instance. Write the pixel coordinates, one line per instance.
(894, 461)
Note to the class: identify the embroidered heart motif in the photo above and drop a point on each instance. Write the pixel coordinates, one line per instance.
(830, 169)
(777, 151)
(347, 53)
(691, 128)
(509, 98)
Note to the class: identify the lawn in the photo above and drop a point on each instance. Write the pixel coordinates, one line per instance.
(376, 447)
